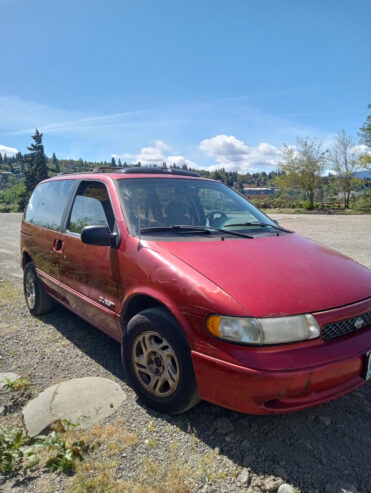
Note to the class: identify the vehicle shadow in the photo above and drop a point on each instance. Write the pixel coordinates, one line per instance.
(325, 448)
(92, 342)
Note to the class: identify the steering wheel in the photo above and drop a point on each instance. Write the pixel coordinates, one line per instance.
(215, 217)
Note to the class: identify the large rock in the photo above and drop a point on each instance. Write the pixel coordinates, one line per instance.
(84, 401)
(7, 376)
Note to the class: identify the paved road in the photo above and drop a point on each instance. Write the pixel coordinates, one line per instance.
(350, 235)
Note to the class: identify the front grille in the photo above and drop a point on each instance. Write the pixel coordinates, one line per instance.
(347, 326)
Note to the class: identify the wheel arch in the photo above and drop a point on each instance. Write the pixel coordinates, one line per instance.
(26, 257)
(138, 302)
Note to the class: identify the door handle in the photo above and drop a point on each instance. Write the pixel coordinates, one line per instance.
(57, 245)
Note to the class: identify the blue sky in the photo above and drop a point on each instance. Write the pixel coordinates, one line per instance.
(209, 83)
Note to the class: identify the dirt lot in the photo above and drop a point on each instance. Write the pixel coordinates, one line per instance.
(208, 449)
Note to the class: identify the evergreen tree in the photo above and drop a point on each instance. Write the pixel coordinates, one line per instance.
(56, 163)
(1, 159)
(37, 158)
(119, 163)
(35, 168)
(365, 130)
(113, 162)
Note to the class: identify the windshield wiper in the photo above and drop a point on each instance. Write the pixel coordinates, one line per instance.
(262, 225)
(188, 228)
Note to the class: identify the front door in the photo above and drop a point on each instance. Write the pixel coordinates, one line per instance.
(90, 274)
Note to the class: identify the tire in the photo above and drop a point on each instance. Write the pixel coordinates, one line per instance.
(37, 299)
(154, 349)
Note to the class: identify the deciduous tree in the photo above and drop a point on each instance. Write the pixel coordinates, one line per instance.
(346, 160)
(302, 166)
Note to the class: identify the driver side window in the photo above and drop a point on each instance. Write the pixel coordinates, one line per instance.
(91, 207)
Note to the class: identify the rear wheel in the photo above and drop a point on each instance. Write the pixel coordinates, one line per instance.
(157, 362)
(37, 300)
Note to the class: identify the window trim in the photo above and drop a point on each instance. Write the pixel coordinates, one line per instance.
(72, 191)
(69, 207)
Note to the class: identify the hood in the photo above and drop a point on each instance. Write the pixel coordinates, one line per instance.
(277, 276)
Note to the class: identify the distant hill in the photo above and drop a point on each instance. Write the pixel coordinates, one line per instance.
(363, 175)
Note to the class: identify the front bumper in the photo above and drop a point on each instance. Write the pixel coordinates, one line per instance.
(273, 392)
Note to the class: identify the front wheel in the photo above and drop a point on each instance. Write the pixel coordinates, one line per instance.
(157, 362)
(38, 301)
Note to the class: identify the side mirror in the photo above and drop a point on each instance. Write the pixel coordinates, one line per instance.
(99, 236)
(274, 221)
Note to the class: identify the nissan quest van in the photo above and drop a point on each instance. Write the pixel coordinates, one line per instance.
(209, 298)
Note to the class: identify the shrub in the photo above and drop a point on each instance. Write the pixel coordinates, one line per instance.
(362, 203)
(11, 444)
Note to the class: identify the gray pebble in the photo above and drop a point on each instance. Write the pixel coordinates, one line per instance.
(286, 488)
(244, 476)
(223, 426)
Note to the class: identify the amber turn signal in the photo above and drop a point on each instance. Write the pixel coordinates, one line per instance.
(212, 325)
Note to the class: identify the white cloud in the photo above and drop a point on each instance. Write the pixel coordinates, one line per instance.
(360, 149)
(156, 154)
(234, 155)
(9, 151)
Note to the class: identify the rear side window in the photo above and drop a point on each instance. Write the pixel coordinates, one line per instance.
(91, 207)
(47, 204)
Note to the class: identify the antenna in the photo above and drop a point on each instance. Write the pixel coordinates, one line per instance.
(139, 228)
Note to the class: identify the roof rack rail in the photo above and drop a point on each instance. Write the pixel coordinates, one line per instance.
(153, 170)
(96, 169)
(101, 169)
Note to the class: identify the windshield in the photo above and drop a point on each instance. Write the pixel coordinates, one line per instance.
(165, 202)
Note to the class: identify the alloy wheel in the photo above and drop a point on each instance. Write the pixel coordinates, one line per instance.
(30, 290)
(155, 364)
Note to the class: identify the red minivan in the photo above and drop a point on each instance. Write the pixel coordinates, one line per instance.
(209, 298)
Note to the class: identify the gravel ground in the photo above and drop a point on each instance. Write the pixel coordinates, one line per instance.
(208, 449)
(350, 235)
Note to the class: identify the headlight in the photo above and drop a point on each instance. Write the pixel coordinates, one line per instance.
(275, 330)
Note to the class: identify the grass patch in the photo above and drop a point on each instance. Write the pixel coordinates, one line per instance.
(174, 478)
(53, 452)
(114, 438)
(97, 477)
(100, 477)
(209, 467)
(10, 295)
(17, 384)
(85, 454)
